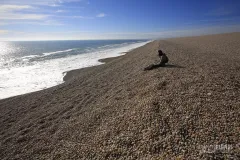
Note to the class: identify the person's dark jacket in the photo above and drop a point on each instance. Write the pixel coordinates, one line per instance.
(164, 59)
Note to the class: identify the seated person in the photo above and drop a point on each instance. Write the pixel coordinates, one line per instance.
(164, 60)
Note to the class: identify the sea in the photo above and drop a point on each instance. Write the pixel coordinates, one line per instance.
(28, 66)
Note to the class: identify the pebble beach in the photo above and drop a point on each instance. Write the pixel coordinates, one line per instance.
(189, 109)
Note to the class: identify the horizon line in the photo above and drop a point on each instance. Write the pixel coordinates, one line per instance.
(150, 39)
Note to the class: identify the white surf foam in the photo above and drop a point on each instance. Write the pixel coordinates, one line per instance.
(44, 74)
(51, 53)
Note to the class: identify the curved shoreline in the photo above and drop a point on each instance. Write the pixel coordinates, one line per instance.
(49, 81)
(74, 73)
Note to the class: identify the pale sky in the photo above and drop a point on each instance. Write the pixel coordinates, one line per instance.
(114, 19)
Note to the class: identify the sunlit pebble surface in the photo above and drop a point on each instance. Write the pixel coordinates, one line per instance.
(21, 75)
(119, 111)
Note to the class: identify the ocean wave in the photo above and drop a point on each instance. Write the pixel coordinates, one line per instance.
(30, 56)
(26, 58)
(56, 52)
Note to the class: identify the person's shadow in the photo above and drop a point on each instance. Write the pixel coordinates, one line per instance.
(173, 66)
(155, 66)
